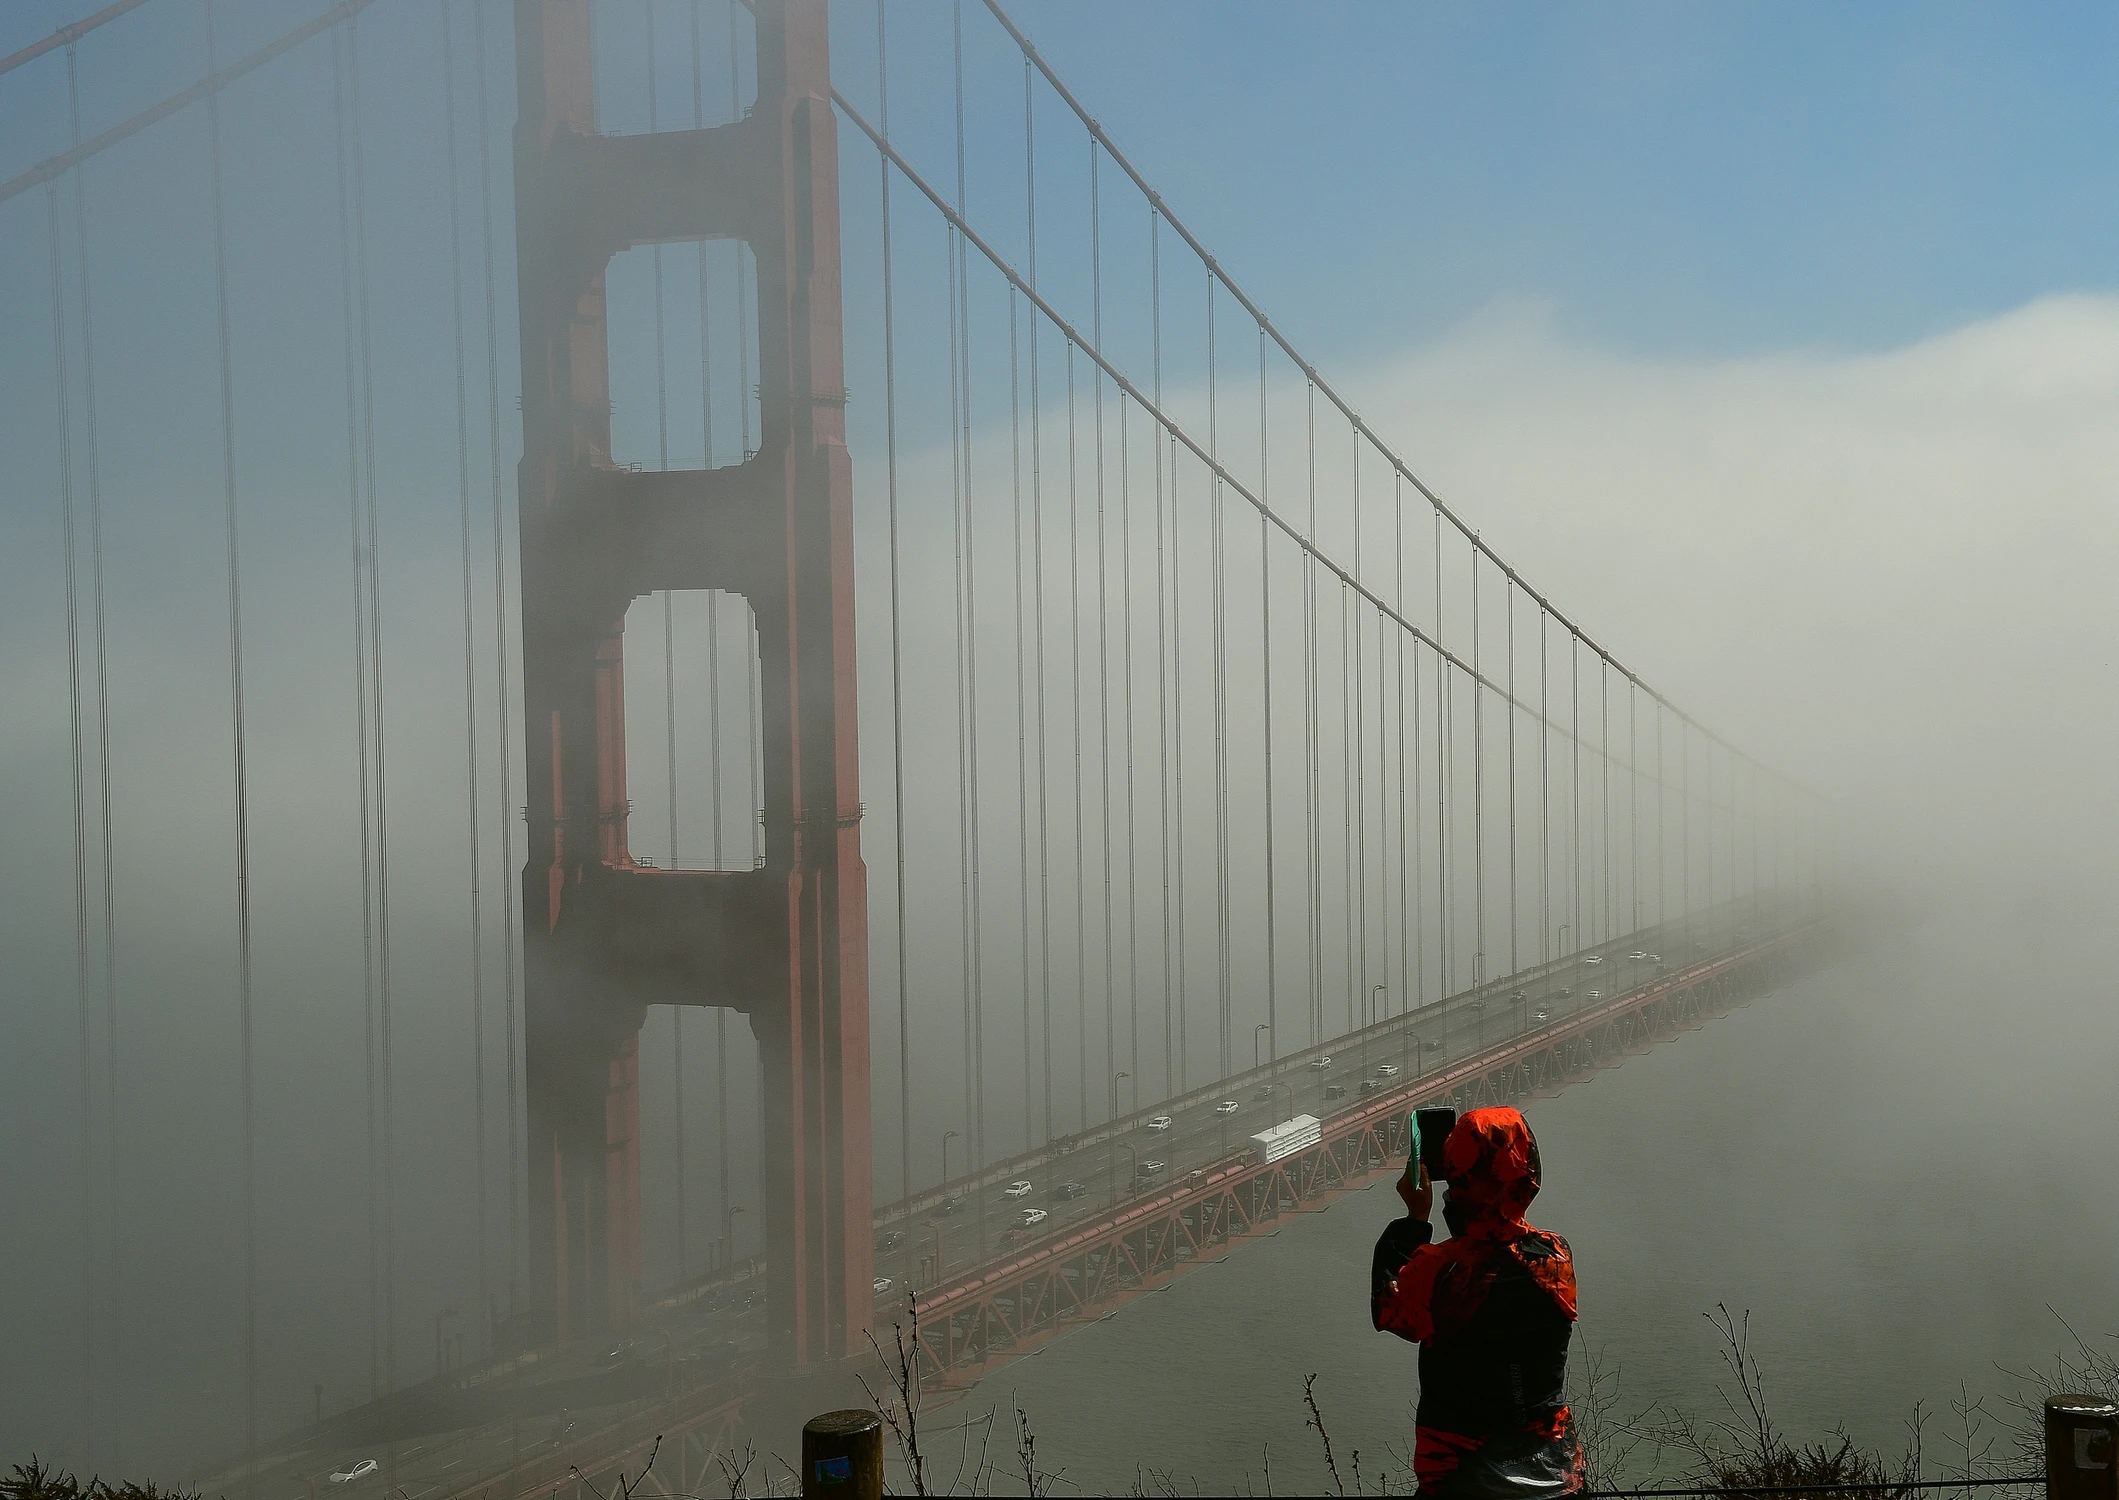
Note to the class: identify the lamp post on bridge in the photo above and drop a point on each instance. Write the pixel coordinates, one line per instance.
(1374, 991)
(1132, 1169)
(728, 1235)
(1114, 1092)
(441, 1360)
(947, 1136)
(936, 1226)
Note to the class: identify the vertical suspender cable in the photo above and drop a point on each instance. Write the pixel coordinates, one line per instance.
(1409, 861)
(241, 769)
(1604, 801)
(114, 1270)
(1125, 542)
(1633, 799)
(1443, 790)
(1265, 649)
(1177, 781)
(1358, 972)
(80, 830)
(500, 648)
(971, 642)
(1545, 928)
(1162, 654)
(360, 707)
(1162, 628)
(1515, 958)
(1574, 800)
(1313, 844)
(897, 655)
(1409, 976)
(1219, 655)
(386, 1151)
(1037, 551)
(1074, 647)
(1103, 621)
(1347, 778)
(1478, 792)
(959, 573)
(1022, 715)
(463, 512)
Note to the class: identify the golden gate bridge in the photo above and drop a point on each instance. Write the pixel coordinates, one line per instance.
(1217, 771)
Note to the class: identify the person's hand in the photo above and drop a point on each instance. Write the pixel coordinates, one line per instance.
(1415, 1189)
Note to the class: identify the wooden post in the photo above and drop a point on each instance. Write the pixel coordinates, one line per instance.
(2081, 1448)
(842, 1456)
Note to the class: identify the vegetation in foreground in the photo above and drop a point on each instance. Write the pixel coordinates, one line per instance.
(1736, 1447)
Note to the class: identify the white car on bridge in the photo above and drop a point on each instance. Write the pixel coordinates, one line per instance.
(1227, 1107)
(1160, 1123)
(1017, 1190)
(353, 1472)
(1320, 1062)
(1032, 1216)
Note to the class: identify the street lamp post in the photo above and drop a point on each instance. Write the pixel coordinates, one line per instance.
(937, 1228)
(1565, 927)
(441, 1362)
(1257, 1032)
(1132, 1168)
(728, 1235)
(1114, 1092)
(947, 1136)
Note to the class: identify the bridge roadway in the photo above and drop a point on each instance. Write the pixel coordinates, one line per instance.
(706, 1342)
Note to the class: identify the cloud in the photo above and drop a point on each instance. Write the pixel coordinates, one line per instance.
(1886, 572)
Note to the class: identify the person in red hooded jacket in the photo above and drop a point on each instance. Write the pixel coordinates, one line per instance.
(1492, 1308)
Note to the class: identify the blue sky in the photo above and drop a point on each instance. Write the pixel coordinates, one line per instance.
(1725, 178)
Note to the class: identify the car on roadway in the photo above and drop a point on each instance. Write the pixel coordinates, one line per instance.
(1373, 1085)
(1594, 958)
(1594, 995)
(1335, 1091)
(1227, 1107)
(1264, 1094)
(1542, 1013)
(1068, 1191)
(882, 1285)
(1517, 998)
(1478, 1007)
(951, 1203)
(1434, 1042)
(893, 1240)
(1320, 1062)
(355, 1471)
(1637, 955)
(1031, 1216)
(1563, 993)
(1152, 1168)
(1655, 958)
(1160, 1123)
(1018, 1189)
(1386, 1070)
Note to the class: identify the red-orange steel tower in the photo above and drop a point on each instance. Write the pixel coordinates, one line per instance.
(787, 944)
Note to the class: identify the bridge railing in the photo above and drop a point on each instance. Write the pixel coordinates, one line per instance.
(1443, 1009)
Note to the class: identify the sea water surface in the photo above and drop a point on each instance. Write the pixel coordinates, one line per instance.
(1902, 1167)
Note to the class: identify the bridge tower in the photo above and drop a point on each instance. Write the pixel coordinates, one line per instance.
(786, 944)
